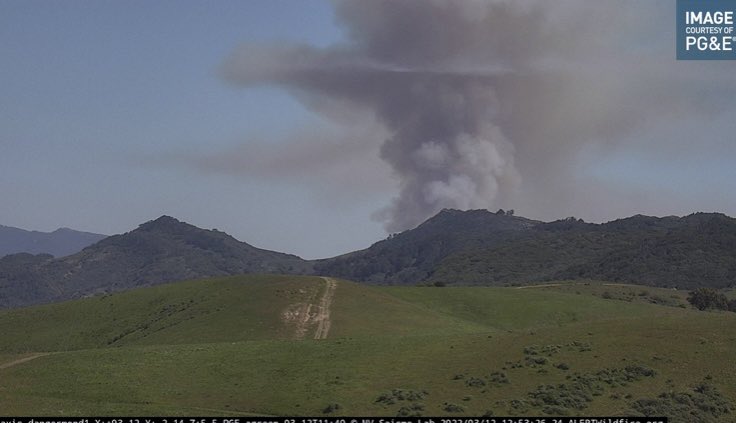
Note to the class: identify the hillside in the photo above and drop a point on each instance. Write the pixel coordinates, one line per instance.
(228, 309)
(59, 243)
(412, 256)
(477, 247)
(229, 346)
(689, 252)
(159, 251)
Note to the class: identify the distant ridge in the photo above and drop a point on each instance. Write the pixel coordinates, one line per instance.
(475, 247)
(159, 251)
(59, 243)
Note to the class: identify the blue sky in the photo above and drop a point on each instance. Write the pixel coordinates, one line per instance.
(100, 99)
(91, 87)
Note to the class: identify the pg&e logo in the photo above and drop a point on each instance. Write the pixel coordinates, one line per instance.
(705, 30)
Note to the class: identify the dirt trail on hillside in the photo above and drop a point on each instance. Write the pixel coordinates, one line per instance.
(624, 284)
(545, 285)
(323, 316)
(22, 360)
(302, 316)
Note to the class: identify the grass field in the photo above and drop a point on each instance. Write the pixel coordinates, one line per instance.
(223, 347)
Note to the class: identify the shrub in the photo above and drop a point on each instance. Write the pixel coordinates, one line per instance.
(732, 306)
(332, 407)
(453, 408)
(537, 361)
(475, 382)
(563, 396)
(703, 404)
(707, 298)
(519, 406)
(396, 395)
(414, 410)
(498, 377)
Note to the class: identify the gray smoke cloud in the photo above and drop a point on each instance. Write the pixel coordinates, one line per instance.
(489, 102)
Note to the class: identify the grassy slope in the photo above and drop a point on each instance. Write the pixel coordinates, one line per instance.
(478, 331)
(241, 308)
(620, 291)
(362, 311)
(510, 308)
(216, 310)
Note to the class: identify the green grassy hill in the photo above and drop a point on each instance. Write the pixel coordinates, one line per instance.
(227, 347)
(216, 310)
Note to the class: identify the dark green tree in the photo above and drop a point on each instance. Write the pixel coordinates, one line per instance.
(732, 306)
(707, 298)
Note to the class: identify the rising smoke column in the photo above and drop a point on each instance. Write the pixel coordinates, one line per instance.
(472, 93)
(426, 70)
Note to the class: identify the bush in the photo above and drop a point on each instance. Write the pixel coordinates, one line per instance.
(332, 407)
(475, 382)
(563, 366)
(396, 395)
(563, 396)
(536, 361)
(703, 404)
(414, 410)
(732, 306)
(453, 408)
(498, 377)
(707, 298)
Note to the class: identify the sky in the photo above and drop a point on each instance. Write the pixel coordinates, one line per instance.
(317, 128)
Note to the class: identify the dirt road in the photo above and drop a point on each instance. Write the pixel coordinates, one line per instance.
(304, 315)
(323, 315)
(22, 360)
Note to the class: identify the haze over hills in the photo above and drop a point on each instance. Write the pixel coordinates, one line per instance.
(59, 243)
(475, 247)
(159, 251)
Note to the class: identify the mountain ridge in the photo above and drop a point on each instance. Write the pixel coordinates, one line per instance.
(158, 251)
(60, 242)
(484, 248)
(407, 257)
(474, 247)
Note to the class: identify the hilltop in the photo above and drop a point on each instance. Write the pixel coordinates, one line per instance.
(59, 243)
(158, 251)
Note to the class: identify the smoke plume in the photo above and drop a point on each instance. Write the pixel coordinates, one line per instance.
(476, 94)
